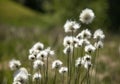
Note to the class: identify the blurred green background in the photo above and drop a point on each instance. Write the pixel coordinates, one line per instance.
(25, 22)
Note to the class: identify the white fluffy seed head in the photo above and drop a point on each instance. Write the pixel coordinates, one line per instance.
(67, 40)
(63, 70)
(98, 44)
(31, 57)
(78, 62)
(87, 65)
(82, 42)
(99, 35)
(85, 34)
(86, 58)
(42, 55)
(50, 52)
(75, 41)
(56, 64)
(71, 26)
(37, 64)
(87, 16)
(21, 76)
(36, 76)
(14, 64)
(38, 46)
(68, 49)
(90, 48)
(33, 51)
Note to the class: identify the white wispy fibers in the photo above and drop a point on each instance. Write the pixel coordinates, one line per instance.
(71, 26)
(49, 51)
(67, 40)
(68, 49)
(14, 64)
(38, 46)
(78, 62)
(98, 44)
(42, 55)
(86, 58)
(87, 64)
(56, 64)
(85, 34)
(63, 70)
(31, 57)
(37, 64)
(75, 41)
(16, 82)
(87, 16)
(33, 51)
(37, 76)
(21, 76)
(82, 42)
(89, 48)
(86, 61)
(98, 34)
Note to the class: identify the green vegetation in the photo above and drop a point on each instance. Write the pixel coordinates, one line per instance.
(21, 27)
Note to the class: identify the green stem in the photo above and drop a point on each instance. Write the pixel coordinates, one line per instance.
(84, 77)
(63, 78)
(55, 75)
(96, 63)
(68, 65)
(88, 79)
(79, 71)
(47, 71)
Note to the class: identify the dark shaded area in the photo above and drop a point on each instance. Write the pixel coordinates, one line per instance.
(36, 5)
(114, 15)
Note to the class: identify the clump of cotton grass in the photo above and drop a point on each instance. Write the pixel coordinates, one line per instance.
(14, 64)
(87, 16)
(84, 47)
(99, 37)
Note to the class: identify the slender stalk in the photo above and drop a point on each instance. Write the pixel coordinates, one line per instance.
(43, 72)
(73, 58)
(31, 72)
(96, 62)
(36, 82)
(47, 71)
(68, 65)
(88, 79)
(55, 75)
(84, 77)
(78, 77)
(39, 82)
(63, 78)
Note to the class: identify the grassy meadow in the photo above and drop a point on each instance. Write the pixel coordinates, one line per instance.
(21, 28)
